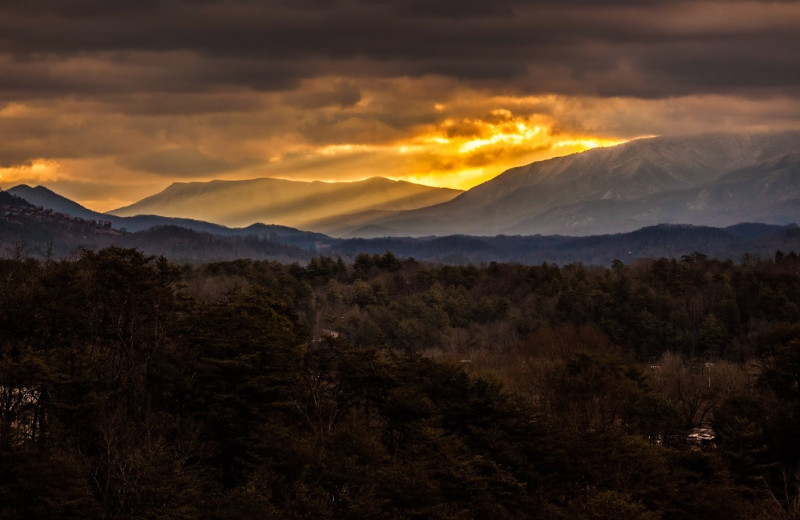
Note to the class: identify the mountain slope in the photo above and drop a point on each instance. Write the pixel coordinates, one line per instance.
(10, 200)
(307, 205)
(767, 192)
(46, 198)
(41, 196)
(608, 190)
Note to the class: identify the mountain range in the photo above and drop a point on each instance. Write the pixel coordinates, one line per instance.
(33, 230)
(46, 198)
(632, 200)
(713, 180)
(317, 206)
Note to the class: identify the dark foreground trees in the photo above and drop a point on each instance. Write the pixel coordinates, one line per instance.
(130, 388)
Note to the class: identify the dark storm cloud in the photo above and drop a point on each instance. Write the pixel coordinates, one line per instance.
(341, 93)
(449, 8)
(648, 49)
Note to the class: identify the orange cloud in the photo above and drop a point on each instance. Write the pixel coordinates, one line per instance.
(104, 152)
(463, 152)
(40, 171)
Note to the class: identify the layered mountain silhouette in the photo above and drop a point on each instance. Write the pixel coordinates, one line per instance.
(48, 199)
(317, 206)
(714, 180)
(40, 231)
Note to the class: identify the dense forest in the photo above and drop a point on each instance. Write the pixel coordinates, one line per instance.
(131, 387)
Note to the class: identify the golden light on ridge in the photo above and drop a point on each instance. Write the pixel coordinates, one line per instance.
(459, 141)
(464, 152)
(461, 150)
(586, 144)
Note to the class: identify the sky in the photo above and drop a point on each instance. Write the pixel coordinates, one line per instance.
(109, 101)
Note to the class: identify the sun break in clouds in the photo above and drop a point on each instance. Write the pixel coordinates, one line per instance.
(109, 101)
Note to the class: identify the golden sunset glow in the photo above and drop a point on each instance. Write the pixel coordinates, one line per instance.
(464, 138)
(38, 172)
(462, 152)
(443, 93)
(455, 152)
(469, 140)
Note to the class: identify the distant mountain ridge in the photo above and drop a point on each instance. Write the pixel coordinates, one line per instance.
(46, 198)
(716, 179)
(42, 196)
(48, 234)
(316, 206)
(41, 232)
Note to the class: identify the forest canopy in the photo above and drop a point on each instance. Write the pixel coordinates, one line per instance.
(390, 388)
